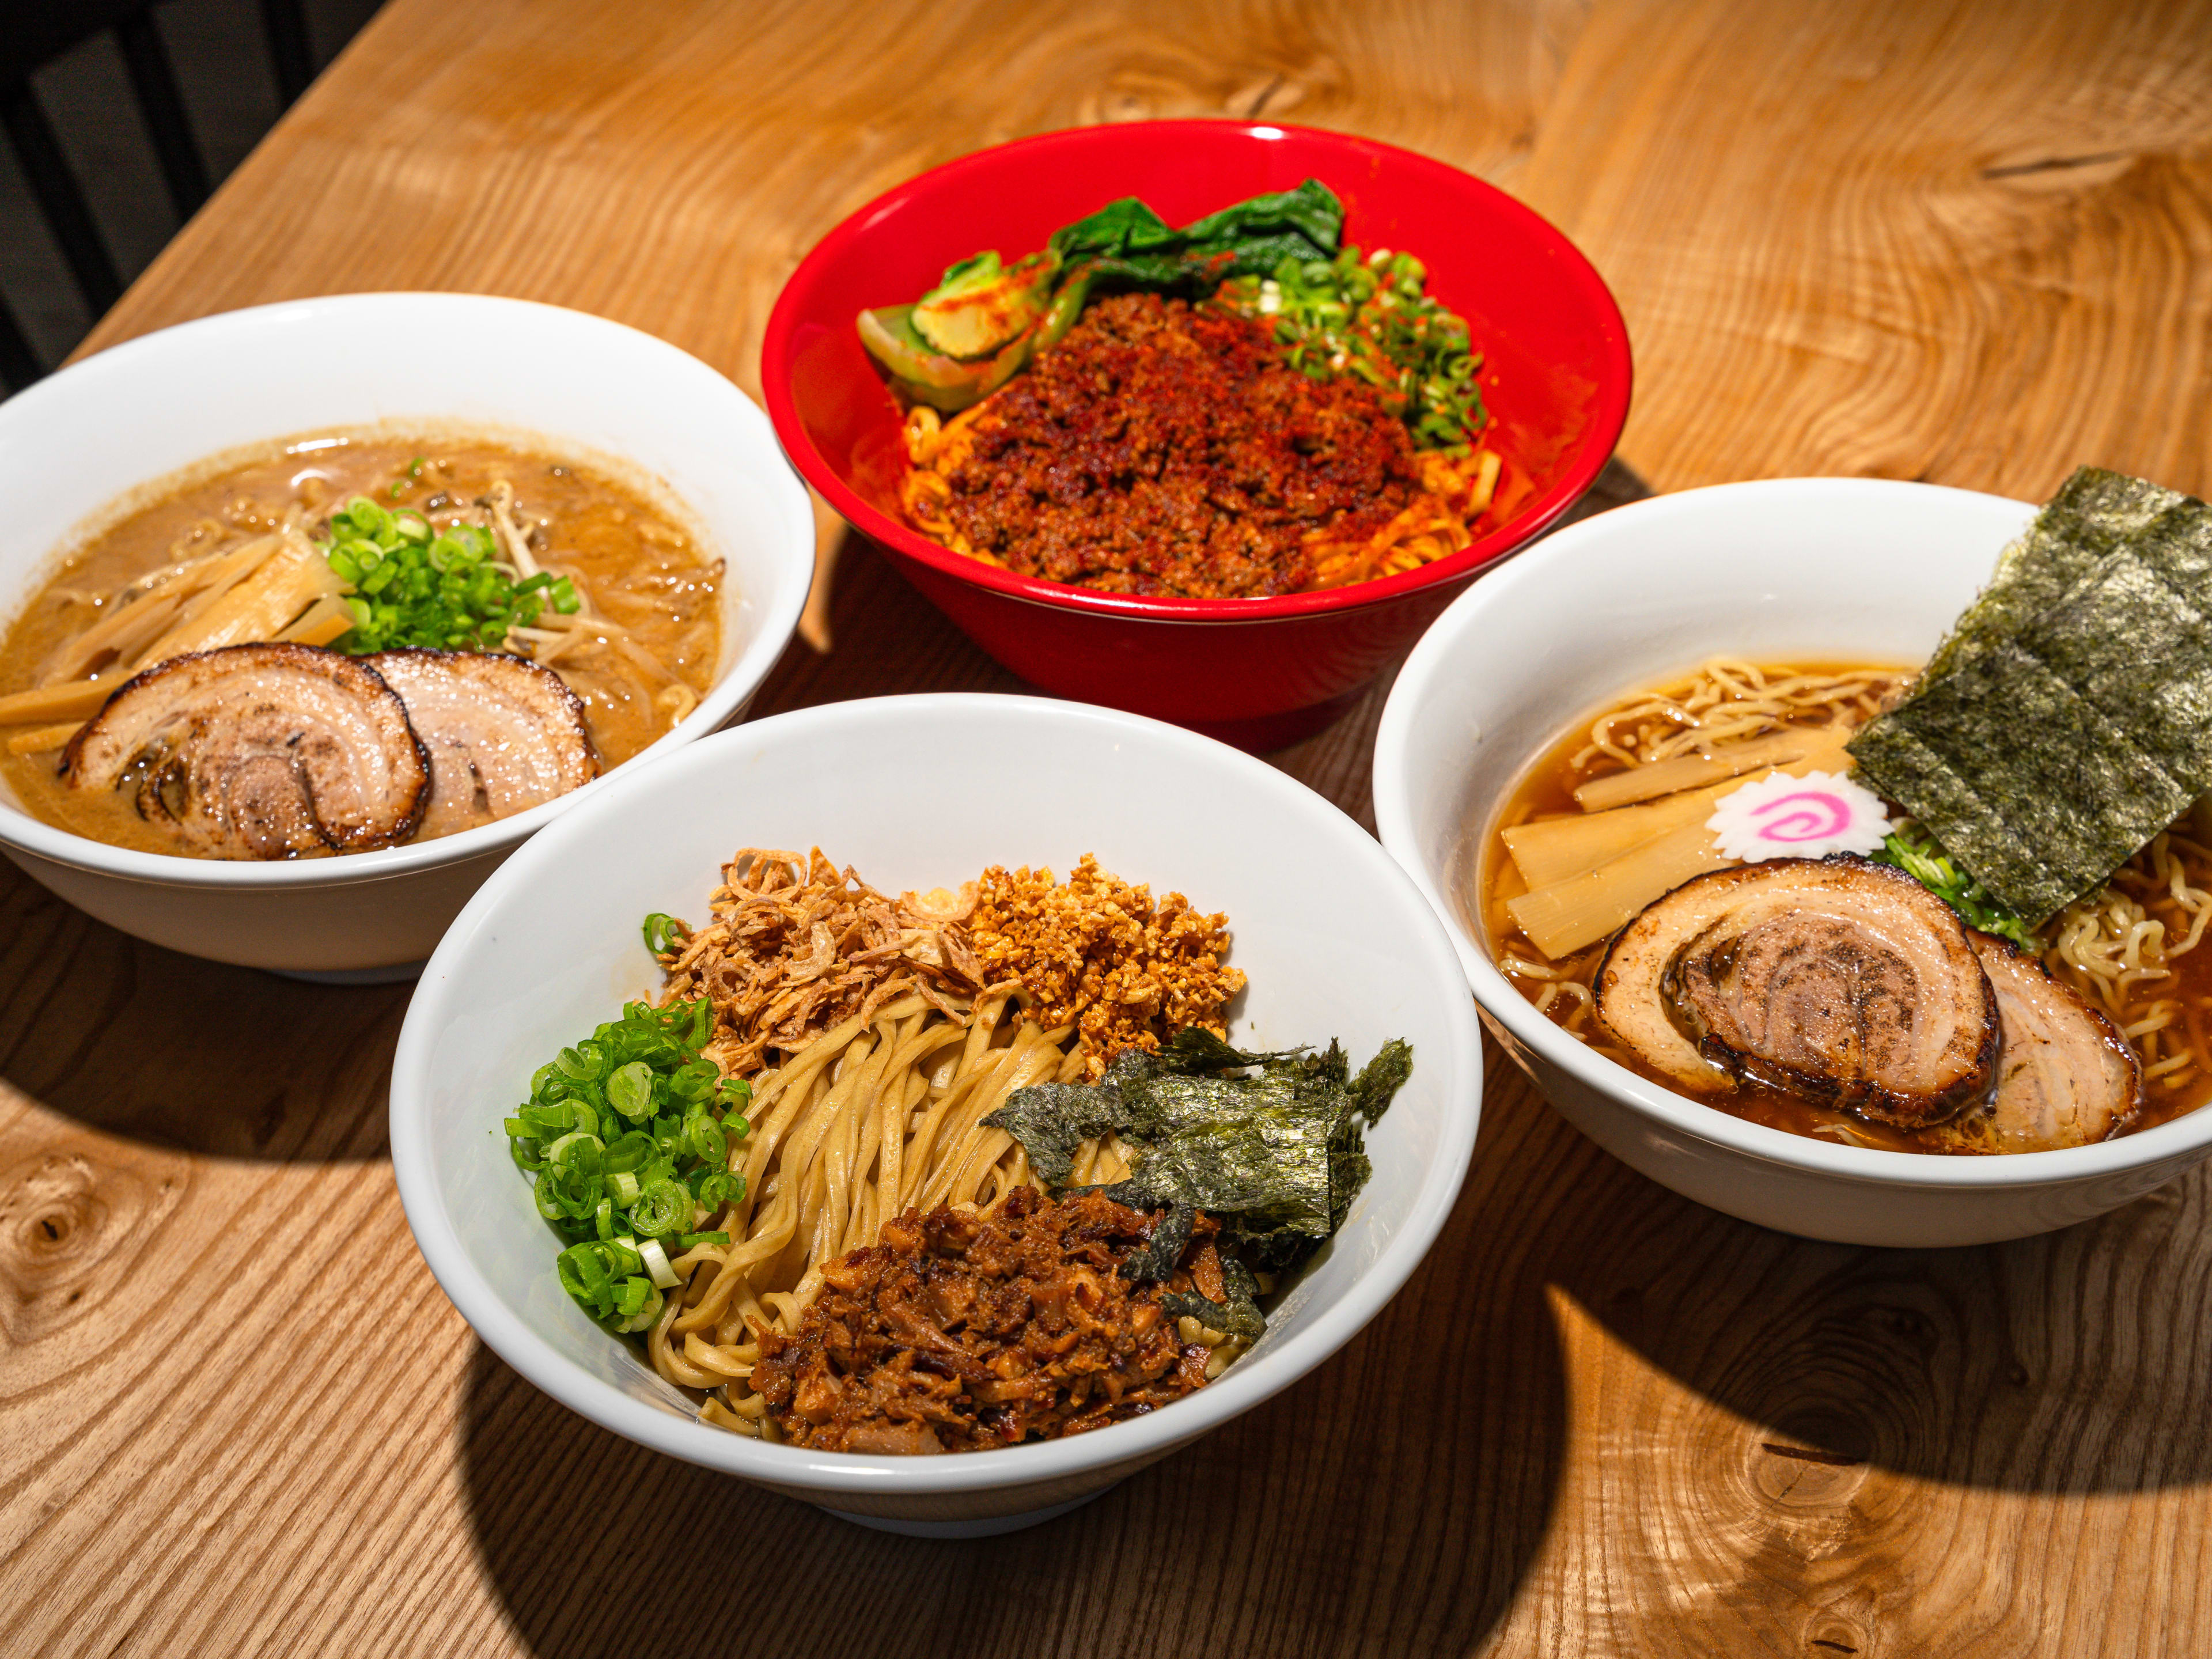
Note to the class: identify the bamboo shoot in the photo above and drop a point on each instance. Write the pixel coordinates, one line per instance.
(323, 622)
(40, 738)
(1562, 918)
(1694, 771)
(79, 699)
(1556, 849)
(259, 608)
(143, 611)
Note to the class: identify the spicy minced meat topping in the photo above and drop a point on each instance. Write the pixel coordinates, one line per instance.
(960, 1330)
(1166, 449)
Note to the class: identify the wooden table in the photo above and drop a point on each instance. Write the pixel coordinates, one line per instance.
(1970, 244)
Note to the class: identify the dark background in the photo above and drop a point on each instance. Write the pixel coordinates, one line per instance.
(220, 52)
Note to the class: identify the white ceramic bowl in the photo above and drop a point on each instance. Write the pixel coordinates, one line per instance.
(916, 792)
(74, 444)
(1806, 568)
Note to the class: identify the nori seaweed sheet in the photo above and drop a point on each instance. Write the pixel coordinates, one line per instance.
(2158, 688)
(1270, 1145)
(2069, 717)
(2088, 520)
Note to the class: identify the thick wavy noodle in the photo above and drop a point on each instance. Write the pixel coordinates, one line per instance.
(882, 1112)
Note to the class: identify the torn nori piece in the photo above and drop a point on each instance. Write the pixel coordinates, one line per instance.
(1273, 1153)
(2062, 796)
(2093, 512)
(1156, 1258)
(2158, 690)
(1238, 1315)
(2068, 719)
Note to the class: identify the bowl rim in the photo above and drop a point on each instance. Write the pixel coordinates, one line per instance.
(1238, 1389)
(779, 614)
(1614, 378)
(1547, 569)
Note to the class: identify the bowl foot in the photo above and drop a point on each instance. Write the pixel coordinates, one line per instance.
(1263, 732)
(989, 1526)
(391, 974)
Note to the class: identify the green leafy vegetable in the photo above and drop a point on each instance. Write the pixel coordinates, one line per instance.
(415, 585)
(628, 1136)
(1911, 848)
(1370, 318)
(985, 320)
(1125, 244)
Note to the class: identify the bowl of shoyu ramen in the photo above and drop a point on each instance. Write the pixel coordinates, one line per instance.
(1834, 851)
(1200, 419)
(310, 614)
(940, 1166)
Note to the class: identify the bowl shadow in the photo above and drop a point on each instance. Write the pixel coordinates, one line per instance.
(1391, 1501)
(137, 1042)
(2061, 1364)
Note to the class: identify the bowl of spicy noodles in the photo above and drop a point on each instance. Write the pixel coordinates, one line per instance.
(1201, 419)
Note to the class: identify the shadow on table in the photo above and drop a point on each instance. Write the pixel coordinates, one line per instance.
(131, 1040)
(1391, 1501)
(2054, 1365)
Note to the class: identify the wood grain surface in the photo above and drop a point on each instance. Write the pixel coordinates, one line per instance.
(1971, 243)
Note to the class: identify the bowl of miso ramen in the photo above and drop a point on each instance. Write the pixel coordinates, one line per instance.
(1825, 849)
(312, 613)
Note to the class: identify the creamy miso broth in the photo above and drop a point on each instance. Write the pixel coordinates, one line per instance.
(637, 641)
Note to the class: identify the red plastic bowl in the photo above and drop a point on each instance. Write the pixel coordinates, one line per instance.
(1258, 671)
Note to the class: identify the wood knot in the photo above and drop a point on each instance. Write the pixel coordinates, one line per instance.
(1806, 1477)
(64, 1221)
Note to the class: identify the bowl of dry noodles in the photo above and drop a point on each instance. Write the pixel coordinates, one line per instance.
(936, 1152)
(1824, 849)
(312, 613)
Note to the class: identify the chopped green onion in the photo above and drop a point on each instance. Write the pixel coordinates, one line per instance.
(1370, 318)
(664, 932)
(629, 1090)
(656, 1264)
(417, 585)
(627, 1134)
(647, 1310)
(665, 1207)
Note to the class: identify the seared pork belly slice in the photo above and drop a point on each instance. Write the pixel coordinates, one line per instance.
(503, 734)
(2065, 1076)
(260, 751)
(1844, 982)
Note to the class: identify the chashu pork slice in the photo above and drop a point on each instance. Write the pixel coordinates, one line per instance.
(2065, 1078)
(1842, 982)
(503, 734)
(260, 751)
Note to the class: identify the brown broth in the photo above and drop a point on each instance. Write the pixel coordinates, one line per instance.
(1546, 790)
(631, 559)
